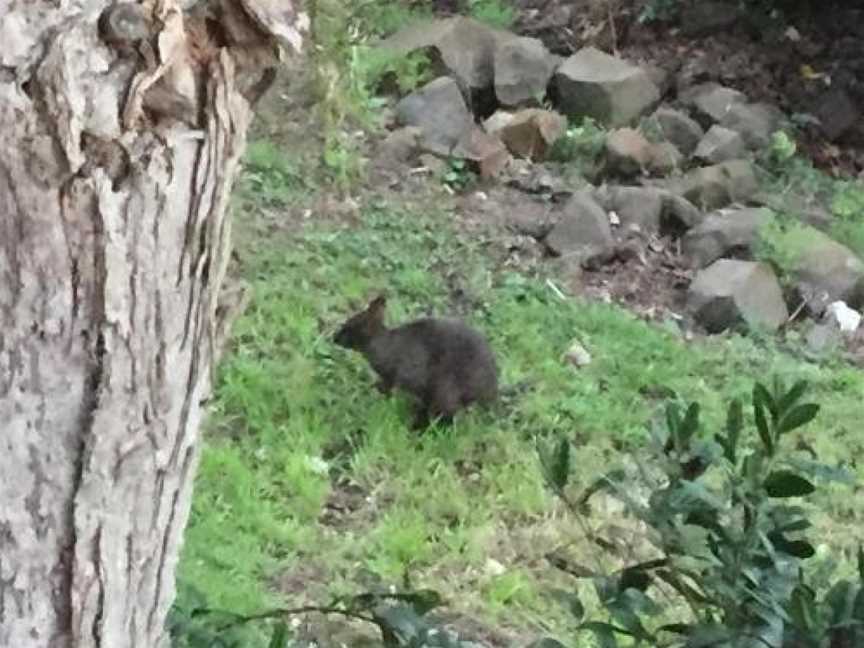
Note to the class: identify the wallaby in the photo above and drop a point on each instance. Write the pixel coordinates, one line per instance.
(444, 363)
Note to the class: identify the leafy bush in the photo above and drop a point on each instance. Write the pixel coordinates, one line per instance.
(727, 537)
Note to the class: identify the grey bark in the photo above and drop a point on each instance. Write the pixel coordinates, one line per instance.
(119, 142)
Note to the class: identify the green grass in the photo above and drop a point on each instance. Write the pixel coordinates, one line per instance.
(296, 422)
(495, 13)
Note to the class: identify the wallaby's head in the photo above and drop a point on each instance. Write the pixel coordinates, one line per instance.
(359, 329)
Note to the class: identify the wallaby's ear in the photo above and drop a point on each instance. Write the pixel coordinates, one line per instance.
(376, 308)
(378, 304)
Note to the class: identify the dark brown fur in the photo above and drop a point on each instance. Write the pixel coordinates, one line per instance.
(445, 364)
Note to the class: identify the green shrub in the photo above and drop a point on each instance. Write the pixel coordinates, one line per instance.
(727, 533)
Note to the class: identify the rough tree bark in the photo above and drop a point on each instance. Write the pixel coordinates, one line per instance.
(121, 126)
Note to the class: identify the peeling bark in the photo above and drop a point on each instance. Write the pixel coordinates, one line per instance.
(120, 136)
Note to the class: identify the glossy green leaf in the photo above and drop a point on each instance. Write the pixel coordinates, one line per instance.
(792, 396)
(861, 564)
(734, 425)
(761, 396)
(603, 632)
(690, 425)
(556, 465)
(762, 426)
(785, 483)
(797, 417)
(802, 608)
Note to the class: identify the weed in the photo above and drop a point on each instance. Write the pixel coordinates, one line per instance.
(782, 148)
(581, 145)
(457, 175)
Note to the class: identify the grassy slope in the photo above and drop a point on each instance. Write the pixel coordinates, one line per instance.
(296, 425)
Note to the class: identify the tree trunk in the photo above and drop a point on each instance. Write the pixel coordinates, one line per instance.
(120, 135)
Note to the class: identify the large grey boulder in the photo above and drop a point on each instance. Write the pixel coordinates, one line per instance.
(582, 231)
(755, 122)
(711, 101)
(679, 128)
(717, 186)
(465, 47)
(612, 91)
(439, 111)
(648, 209)
(723, 232)
(827, 271)
(522, 70)
(627, 152)
(487, 152)
(729, 293)
(528, 133)
(636, 207)
(719, 145)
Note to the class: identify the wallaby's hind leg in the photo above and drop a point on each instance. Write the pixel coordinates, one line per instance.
(384, 386)
(421, 418)
(445, 402)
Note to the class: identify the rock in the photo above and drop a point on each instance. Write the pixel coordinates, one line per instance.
(837, 113)
(553, 25)
(722, 232)
(433, 163)
(754, 121)
(640, 207)
(534, 178)
(486, 151)
(711, 101)
(678, 128)
(717, 186)
(695, 69)
(720, 144)
(594, 84)
(707, 17)
(577, 355)
(582, 231)
(664, 158)
(530, 133)
(730, 292)
(465, 47)
(679, 213)
(498, 120)
(827, 271)
(439, 110)
(627, 152)
(847, 319)
(522, 68)
(659, 77)
(823, 337)
(399, 148)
